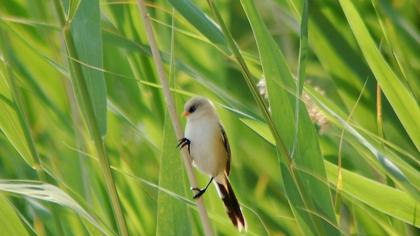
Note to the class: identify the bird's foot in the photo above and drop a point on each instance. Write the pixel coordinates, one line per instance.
(184, 142)
(199, 192)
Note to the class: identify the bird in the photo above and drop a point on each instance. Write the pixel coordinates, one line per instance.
(208, 146)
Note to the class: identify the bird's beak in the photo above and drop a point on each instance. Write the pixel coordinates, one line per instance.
(185, 114)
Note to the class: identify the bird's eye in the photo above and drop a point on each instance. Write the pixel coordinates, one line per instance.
(192, 109)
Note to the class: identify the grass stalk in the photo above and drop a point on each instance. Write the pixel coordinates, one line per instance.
(303, 51)
(172, 113)
(88, 112)
(379, 111)
(339, 184)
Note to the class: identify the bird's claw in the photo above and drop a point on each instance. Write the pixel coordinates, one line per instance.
(194, 189)
(200, 192)
(184, 142)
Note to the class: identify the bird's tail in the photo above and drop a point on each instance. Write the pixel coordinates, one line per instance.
(231, 203)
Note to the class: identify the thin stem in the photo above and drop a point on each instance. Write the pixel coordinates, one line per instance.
(172, 113)
(303, 51)
(77, 121)
(88, 112)
(339, 185)
(379, 111)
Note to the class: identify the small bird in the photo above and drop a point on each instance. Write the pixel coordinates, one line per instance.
(209, 149)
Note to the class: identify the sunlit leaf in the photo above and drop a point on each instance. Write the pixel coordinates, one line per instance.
(401, 99)
(10, 224)
(49, 193)
(308, 156)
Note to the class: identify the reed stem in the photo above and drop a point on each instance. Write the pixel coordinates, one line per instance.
(172, 113)
(89, 115)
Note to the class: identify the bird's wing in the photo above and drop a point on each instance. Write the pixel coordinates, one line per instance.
(225, 142)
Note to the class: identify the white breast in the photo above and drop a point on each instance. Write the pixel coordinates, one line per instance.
(206, 148)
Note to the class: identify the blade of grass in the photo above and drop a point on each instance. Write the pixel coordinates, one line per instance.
(377, 195)
(14, 98)
(86, 103)
(200, 21)
(249, 79)
(400, 98)
(358, 187)
(339, 184)
(133, 47)
(174, 195)
(29, 22)
(361, 137)
(30, 83)
(72, 9)
(10, 124)
(170, 211)
(172, 217)
(10, 224)
(304, 192)
(286, 162)
(303, 51)
(77, 123)
(49, 193)
(172, 112)
(392, 169)
(379, 111)
(403, 38)
(18, 104)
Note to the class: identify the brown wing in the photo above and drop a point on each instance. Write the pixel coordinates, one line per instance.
(225, 142)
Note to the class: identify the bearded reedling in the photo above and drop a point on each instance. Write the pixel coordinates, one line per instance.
(209, 149)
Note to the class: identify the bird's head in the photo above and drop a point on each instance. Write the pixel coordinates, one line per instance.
(197, 107)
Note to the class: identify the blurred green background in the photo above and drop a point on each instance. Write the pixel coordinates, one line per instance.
(336, 153)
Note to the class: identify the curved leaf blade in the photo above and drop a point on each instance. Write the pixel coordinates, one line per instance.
(10, 124)
(10, 224)
(400, 98)
(50, 193)
(200, 21)
(310, 193)
(379, 196)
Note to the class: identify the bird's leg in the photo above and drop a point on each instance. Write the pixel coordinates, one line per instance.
(201, 191)
(184, 142)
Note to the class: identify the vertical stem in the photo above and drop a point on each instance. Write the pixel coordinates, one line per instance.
(339, 185)
(77, 121)
(88, 112)
(379, 110)
(303, 51)
(172, 112)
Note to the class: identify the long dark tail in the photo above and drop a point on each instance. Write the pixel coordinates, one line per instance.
(231, 204)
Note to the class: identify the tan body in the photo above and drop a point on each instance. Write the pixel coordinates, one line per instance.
(207, 150)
